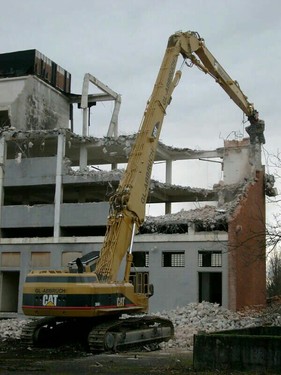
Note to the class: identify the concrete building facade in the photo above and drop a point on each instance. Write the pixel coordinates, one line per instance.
(54, 207)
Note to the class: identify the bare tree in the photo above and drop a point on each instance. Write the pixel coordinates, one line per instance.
(273, 227)
(273, 284)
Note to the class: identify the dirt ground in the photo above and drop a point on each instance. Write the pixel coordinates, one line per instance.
(70, 360)
(17, 359)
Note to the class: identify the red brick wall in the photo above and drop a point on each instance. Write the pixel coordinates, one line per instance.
(246, 249)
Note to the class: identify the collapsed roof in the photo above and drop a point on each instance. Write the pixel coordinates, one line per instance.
(206, 218)
(102, 184)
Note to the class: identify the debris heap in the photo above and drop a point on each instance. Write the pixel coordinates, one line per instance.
(11, 328)
(188, 320)
(208, 317)
(205, 218)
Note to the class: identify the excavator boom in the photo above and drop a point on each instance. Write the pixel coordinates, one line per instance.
(128, 203)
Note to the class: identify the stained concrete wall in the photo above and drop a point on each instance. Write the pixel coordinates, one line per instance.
(84, 214)
(33, 104)
(236, 163)
(27, 216)
(30, 171)
(38, 216)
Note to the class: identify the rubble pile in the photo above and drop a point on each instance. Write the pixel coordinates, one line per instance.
(99, 175)
(205, 218)
(208, 317)
(11, 328)
(188, 320)
(208, 217)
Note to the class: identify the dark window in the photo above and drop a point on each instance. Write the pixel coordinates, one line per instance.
(141, 259)
(210, 287)
(209, 259)
(4, 119)
(173, 259)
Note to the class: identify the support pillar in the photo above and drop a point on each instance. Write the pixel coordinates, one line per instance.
(83, 160)
(2, 164)
(59, 187)
(168, 205)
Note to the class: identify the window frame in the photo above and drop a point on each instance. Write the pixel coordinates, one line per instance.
(173, 259)
(146, 259)
(213, 258)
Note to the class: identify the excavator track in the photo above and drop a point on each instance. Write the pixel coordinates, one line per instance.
(106, 336)
(32, 332)
(52, 331)
(131, 332)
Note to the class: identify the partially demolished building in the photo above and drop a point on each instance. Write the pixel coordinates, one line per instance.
(54, 198)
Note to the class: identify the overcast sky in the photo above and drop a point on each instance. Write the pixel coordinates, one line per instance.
(122, 43)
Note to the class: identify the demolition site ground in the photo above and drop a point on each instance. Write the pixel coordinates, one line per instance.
(74, 359)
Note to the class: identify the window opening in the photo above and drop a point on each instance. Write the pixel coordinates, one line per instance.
(141, 259)
(209, 259)
(4, 119)
(173, 259)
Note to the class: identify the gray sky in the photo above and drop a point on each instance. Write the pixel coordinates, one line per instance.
(122, 43)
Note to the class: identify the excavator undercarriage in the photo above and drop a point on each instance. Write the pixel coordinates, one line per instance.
(99, 335)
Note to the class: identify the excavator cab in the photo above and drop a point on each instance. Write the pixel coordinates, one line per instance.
(86, 263)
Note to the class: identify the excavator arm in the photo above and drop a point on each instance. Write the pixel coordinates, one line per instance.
(127, 205)
(193, 47)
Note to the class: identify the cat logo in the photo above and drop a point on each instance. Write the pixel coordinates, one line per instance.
(50, 300)
(120, 301)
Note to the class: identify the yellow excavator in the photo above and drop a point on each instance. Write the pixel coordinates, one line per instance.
(91, 302)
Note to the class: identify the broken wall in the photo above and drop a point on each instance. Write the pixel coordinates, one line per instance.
(246, 249)
(236, 163)
(31, 104)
